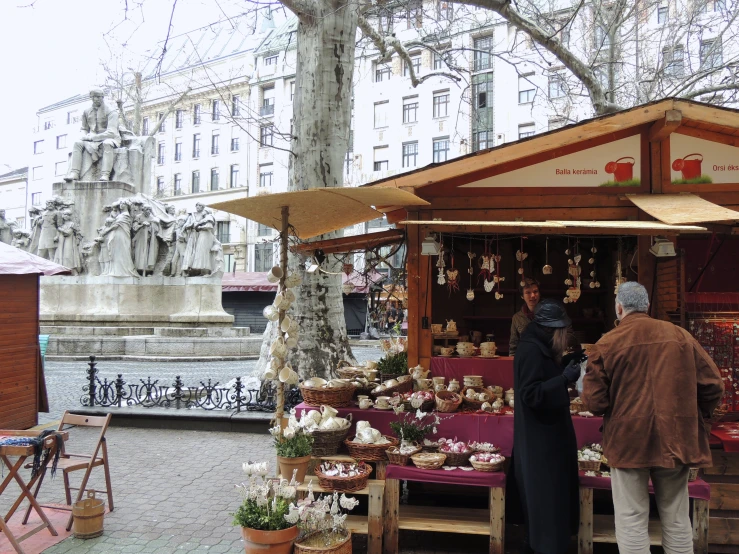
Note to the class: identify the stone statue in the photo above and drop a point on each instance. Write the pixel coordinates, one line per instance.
(101, 136)
(68, 252)
(118, 236)
(50, 220)
(6, 229)
(21, 239)
(145, 242)
(102, 242)
(200, 256)
(34, 216)
(178, 247)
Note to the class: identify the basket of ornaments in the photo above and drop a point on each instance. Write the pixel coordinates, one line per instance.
(487, 461)
(457, 452)
(590, 457)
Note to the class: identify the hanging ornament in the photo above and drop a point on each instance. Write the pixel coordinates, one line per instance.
(521, 256)
(573, 281)
(347, 269)
(594, 284)
(547, 269)
(497, 279)
(487, 267)
(441, 279)
(471, 291)
(619, 270)
(452, 274)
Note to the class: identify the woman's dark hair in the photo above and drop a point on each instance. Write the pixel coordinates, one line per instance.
(561, 339)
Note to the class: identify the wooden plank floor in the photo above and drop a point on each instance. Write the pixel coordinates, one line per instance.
(444, 520)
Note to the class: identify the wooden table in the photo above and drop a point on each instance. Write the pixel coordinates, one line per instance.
(24, 452)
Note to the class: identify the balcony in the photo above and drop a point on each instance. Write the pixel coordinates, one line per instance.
(268, 109)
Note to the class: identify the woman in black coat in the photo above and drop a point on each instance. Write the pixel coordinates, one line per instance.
(544, 444)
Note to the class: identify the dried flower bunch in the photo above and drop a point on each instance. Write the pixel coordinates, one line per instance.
(322, 519)
(413, 427)
(266, 501)
(293, 441)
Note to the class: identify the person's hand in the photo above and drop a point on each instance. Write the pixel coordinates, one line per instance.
(572, 372)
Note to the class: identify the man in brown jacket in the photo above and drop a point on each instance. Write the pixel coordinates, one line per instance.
(656, 388)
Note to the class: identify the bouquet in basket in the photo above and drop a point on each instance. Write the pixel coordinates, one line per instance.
(266, 501)
(395, 360)
(322, 521)
(413, 427)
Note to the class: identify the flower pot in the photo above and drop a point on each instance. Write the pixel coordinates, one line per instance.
(274, 542)
(287, 465)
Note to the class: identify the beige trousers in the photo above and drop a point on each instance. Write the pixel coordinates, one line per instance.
(631, 507)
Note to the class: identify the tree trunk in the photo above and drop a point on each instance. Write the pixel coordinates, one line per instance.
(322, 108)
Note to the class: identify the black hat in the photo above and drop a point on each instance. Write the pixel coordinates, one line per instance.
(551, 313)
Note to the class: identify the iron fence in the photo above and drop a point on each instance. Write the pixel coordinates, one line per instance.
(148, 393)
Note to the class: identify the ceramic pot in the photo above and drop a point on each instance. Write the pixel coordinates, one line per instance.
(274, 542)
(287, 465)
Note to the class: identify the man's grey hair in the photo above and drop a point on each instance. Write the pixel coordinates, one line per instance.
(633, 297)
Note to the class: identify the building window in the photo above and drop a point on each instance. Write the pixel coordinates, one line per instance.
(229, 263)
(270, 60)
(482, 110)
(160, 117)
(234, 179)
(602, 38)
(525, 90)
(38, 147)
(160, 186)
(145, 126)
(235, 105)
(382, 72)
(385, 19)
(556, 86)
(292, 90)
(215, 113)
(178, 151)
(160, 153)
(263, 256)
(214, 144)
(711, 54)
(72, 118)
(196, 145)
(381, 161)
(415, 14)
(526, 130)
(410, 154)
(263, 230)
(214, 179)
(266, 135)
(445, 10)
(234, 144)
(441, 103)
(438, 60)
(381, 109)
(36, 198)
(483, 53)
(673, 60)
(60, 168)
(415, 62)
(48, 125)
(441, 149)
(179, 117)
(196, 114)
(410, 109)
(662, 14)
(61, 142)
(268, 101)
(177, 184)
(265, 175)
(223, 231)
(482, 140)
(195, 181)
(557, 123)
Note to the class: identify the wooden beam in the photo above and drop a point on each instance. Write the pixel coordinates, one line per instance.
(663, 128)
(729, 140)
(415, 309)
(354, 242)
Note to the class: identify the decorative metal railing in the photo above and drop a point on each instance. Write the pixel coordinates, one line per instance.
(209, 396)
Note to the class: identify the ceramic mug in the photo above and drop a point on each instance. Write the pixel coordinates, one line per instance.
(470, 393)
(271, 313)
(276, 363)
(483, 397)
(278, 347)
(285, 325)
(274, 274)
(365, 403)
(438, 380)
(293, 280)
(362, 425)
(291, 342)
(439, 387)
(329, 424)
(289, 296)
(315, 382)
(269, 374)
(370, 364)
(453, 387)
(486, 406)
(382, 401)
(423, 384)
(328, 411)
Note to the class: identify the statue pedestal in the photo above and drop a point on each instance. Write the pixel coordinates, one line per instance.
(89, 198)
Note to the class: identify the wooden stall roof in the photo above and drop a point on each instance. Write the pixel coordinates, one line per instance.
(679, 209)
(702, 120)
(633, 228)
(317, 211)
(354, 242)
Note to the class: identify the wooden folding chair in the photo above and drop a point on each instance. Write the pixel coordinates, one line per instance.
(69, 462)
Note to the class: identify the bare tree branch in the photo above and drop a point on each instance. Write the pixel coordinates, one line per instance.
(304, 9)
(170, 109)
(709, 90)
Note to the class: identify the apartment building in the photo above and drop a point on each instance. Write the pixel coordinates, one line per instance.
(13, 190)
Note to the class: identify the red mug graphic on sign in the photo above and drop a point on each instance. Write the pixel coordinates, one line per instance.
(622, 170)
(690, 168)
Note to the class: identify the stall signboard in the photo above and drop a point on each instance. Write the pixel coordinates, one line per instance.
(696, 161)
(615, 164)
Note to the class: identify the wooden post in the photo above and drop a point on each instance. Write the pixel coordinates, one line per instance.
(497, 520)
(585, 535)
(391, 516)
(374, 515)
(380, 468)
(414, 300)
(280, 400)
(700, 526)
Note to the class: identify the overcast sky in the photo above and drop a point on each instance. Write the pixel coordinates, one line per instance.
(52, 49)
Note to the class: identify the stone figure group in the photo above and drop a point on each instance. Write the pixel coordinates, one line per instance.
(140, 237)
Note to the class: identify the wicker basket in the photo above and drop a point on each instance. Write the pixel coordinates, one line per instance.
(346, 371)
(458, 458)
(588, 465)
(338, 397)
(430, 447)
(428, 460)
(343, 484)
(693, 474)
(488, 467)
(327, 443)
(393, 454)
(427, 406)
(475, 404)
(344, 547)
(370, 452)
(447, 402)
(385, 376)
(400, 388)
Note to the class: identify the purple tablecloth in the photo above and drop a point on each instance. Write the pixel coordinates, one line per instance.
(497, 429)
(452, 477)
(696, 489)
(494, 372)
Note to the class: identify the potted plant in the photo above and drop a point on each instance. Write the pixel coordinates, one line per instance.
(322, 523)
(395, 360)
(413, 427)
(261, 515)
(293, 445)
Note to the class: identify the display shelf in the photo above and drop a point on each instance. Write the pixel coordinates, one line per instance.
(508, 318)
(440, 519)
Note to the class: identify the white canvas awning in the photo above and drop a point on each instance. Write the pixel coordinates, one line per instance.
(680, 209)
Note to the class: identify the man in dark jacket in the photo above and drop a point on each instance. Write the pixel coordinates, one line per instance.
(657, 389)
